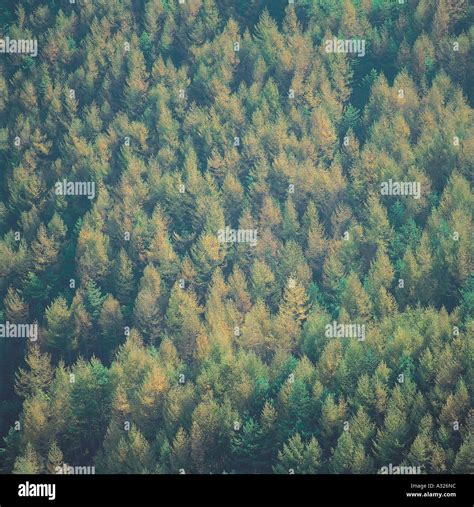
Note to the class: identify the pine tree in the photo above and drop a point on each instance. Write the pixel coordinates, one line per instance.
(384, 304)
(39, 376)
(441, 20)
(28, 462)
(92, 255)
(183, 322)
(94, 299)
(391, 440)
(332, 415)
(111, 324)
(247, 448)
(381, 274)
(45, 249)
(211, 431)
(125, 452)
(295, 302)
(299, 458)
(324, 133)
(238, 290)
(290, 224)
(257, 331)
(161, 250)
(297, 408)
(90, 405)
(348, 457)
(55, 459)
(136, 83)
(123, 278)
(206, 254)
(361, 428)
(355, 300)
(16, 309)
(464, 462)
(59, 331)
(180, 452)
(378, 231)
(292, 264)
(316, 240)
(263, 283)
(147, 311)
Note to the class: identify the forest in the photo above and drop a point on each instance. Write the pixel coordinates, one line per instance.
(236, 236)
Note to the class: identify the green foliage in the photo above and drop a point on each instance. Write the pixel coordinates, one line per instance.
(191, 119)
(296, 457)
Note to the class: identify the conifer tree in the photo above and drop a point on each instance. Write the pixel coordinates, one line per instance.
(295, 302)
(123, 278)
(16, 309)
(111, 324)
(147, 311)
(55, 459)
(28, 463)
(59, 331)
(39, 375)
(296, 457)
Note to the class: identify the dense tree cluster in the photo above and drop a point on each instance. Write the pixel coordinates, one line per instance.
(161, 348)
